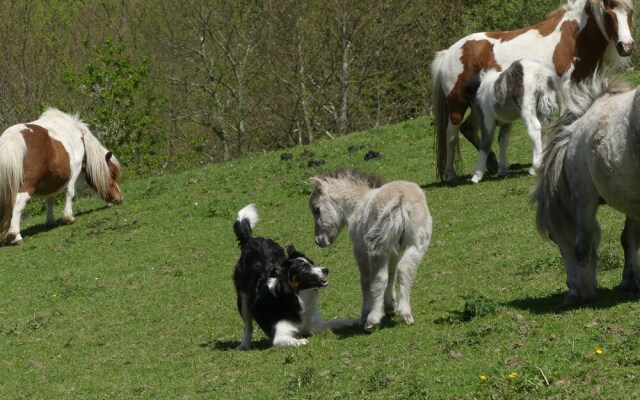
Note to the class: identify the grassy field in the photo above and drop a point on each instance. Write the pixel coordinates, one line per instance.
(136, 301)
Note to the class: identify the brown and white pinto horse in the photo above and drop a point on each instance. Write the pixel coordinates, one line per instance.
(579, 34)
(45, 157)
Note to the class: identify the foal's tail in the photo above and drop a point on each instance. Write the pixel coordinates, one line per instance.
(440, 114)
(246, 221)
(388, 227)
(551, 191)
(12, 152)
(547, 94)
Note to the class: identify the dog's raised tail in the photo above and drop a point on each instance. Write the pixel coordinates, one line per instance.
(246, 221)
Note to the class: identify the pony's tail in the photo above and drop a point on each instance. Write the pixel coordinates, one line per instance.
(246, 221)
(548, 91)
(440, 114)
(388, 227)
(552, 188)
(12, 152)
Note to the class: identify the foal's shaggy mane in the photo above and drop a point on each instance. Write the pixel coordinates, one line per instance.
(357, 177)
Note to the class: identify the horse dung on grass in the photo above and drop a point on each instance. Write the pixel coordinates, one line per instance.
(45, 157)
(390, 228)
(592, 159)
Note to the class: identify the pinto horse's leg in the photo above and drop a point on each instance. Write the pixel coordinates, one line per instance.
(67, 216)
(13, 236)
(452, 142)
(51, 221)
(503, 140)
(630, 240)
(379, 279)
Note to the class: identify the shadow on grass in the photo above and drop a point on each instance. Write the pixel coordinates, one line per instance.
(37, 229)
(552, 304)
(515, 171)
(226, 345)
(358, 330)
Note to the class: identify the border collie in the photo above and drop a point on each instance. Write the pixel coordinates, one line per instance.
(278, 290)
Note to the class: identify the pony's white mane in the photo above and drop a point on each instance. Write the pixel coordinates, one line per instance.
(96, 168)
(579, 97)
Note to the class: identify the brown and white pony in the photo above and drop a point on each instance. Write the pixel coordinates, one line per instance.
(580, 33)
(45, 157)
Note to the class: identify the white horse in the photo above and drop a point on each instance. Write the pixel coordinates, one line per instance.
(527, 90)
(46, 157)
(390, 227)
(593, 158)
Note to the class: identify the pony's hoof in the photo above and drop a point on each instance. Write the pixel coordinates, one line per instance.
(630, 286)
(571, 300)
(243, 346)
(68, 220)
(503, 171)
(476, 178)
(370, 328)
(408, 319)
(492, 163)
(532, 171)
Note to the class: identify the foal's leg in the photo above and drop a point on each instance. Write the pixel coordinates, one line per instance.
(365, 282)
(407, 269)
(503, 139)
(390, 292)
(379, 280)
(630, 240)
(534, 130)
(13, 235)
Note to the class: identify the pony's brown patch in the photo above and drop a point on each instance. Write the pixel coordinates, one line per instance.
(545, 28)
(46, 163)
(476, 55)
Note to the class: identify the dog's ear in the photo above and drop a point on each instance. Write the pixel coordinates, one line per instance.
(316, 183)
(291, 250)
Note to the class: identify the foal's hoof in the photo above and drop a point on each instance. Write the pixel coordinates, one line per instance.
(630, 286)
(370, 328)
(68, 220)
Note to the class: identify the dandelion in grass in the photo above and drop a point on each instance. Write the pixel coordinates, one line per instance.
(483, 378)
(513, 375)
(598, 350)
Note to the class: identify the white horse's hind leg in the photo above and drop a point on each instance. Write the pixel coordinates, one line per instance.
(630, 240)
(13, 235)
(503, 139)
(586, 252)
(379, 280)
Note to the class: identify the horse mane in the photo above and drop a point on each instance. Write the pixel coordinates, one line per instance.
(96, 168)
(580, 96)
(356, 176)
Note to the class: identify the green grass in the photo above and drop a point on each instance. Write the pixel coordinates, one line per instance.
(136, 301)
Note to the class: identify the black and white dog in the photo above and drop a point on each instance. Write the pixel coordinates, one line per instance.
(278, 290)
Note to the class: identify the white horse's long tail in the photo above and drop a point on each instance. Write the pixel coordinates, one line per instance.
(547, 93)
(12, 151)
(388, 227)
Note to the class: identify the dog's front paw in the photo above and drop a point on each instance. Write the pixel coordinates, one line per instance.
(289, 342)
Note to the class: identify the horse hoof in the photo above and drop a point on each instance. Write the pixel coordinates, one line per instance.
(370, 328)
(68, 220)
(571, 301)
(476, 179)
(492, 163)
(532, 171)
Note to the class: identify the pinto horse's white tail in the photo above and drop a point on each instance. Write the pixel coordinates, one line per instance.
(387, 230)
(440, 112)
(12, 151)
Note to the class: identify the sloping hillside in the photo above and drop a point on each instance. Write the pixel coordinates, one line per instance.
(136, 301)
